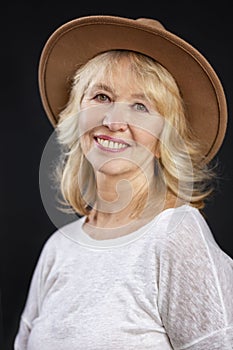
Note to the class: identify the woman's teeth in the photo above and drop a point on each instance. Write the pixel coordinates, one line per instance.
(111, 144)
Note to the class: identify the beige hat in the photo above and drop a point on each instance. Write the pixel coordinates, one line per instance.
(78, 40)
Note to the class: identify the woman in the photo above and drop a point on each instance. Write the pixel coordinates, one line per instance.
(140, 269)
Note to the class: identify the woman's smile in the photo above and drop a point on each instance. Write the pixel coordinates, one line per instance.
(110, 144)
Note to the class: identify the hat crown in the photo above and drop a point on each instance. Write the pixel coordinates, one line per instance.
(153, 23)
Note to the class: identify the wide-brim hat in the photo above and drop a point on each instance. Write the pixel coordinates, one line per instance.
(78, 40)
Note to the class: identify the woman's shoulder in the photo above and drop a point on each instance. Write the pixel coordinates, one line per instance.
(183, 227)
(185, 231)
(62, 236)
(182, 218)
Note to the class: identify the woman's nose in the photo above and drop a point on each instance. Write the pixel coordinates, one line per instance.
(115, 117)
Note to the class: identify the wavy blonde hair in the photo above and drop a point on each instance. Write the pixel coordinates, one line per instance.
(180, 167)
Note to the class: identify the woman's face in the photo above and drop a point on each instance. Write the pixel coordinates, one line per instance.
(119, 127)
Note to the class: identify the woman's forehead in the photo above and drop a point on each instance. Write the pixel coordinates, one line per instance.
(114, 72)
(118, 76)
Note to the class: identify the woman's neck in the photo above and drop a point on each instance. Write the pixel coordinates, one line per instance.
(116, 195)
(118, 200)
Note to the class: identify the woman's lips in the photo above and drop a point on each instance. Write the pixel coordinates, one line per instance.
(110, 144)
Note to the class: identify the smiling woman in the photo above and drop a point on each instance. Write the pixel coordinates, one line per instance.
(113, 119)
(140, 269)
(108, 101)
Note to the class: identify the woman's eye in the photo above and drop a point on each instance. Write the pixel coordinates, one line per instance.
(140, 107)
(101, 98)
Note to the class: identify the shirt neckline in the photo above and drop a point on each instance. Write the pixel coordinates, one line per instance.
(83, 238)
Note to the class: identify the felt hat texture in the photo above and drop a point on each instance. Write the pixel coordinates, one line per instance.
(75, 42)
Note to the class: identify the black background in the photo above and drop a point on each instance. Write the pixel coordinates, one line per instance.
(25, 129)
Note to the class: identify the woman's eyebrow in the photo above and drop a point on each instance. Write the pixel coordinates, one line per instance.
(140, 96)
(102, 86)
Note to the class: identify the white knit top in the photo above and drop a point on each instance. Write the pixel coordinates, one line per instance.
(165, 286)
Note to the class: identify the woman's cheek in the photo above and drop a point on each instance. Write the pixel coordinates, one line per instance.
(90, 118)
(149, 126)
(86, 143)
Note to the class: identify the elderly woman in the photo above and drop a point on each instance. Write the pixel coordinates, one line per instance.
(139, 114)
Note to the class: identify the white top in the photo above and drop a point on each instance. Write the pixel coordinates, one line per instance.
(165, 286)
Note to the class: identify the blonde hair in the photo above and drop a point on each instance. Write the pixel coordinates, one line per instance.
(180, 167)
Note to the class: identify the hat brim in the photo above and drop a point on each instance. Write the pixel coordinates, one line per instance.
(77, 41)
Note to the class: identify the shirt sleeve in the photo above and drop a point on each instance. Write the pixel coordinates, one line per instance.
(196, 289)
(33, 303)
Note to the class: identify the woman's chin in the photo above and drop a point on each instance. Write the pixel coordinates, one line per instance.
(116, 167)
